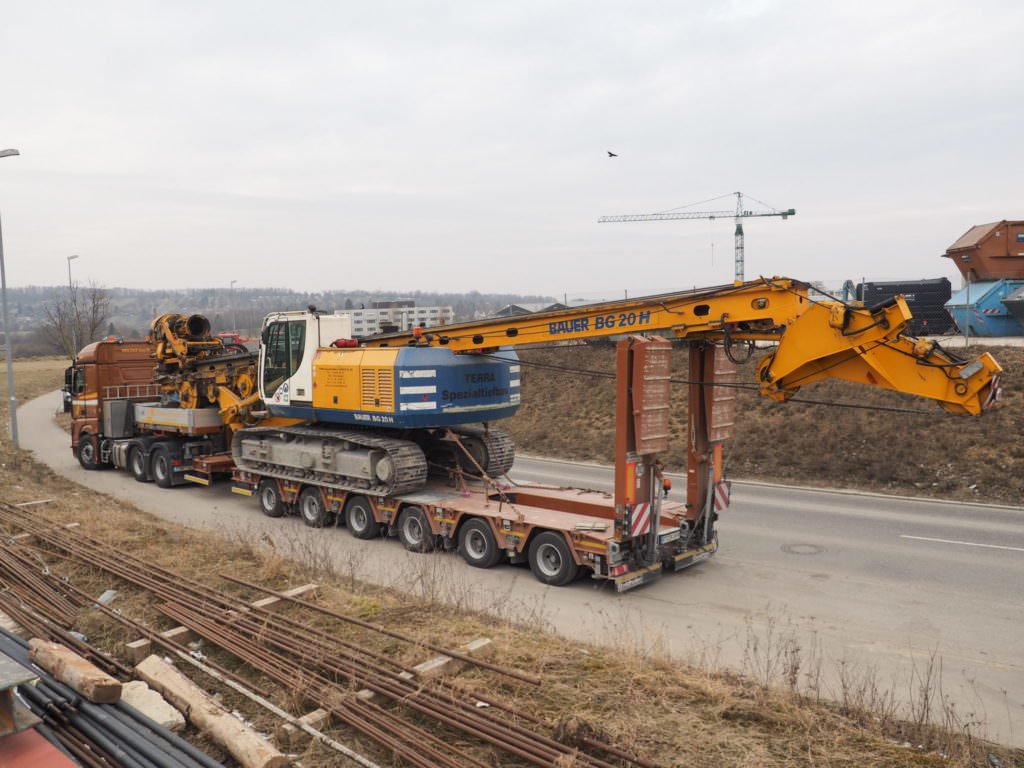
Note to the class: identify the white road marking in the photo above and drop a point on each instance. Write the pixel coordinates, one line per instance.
(964, 543)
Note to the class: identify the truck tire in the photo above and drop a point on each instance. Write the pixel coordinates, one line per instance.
(312, 508)
(359, 518)
(88, 451)
(550, 559)
(270, 498)
(137, 465)
(160, 467)
(414, 530)
(477, 544)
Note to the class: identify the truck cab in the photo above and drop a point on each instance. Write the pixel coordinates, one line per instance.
(101, 383)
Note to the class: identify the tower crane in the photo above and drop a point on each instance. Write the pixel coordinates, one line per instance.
(738, 215)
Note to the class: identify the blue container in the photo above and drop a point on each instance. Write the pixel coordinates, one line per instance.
(979, 309)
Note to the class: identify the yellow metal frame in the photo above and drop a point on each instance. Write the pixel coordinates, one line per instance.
(762, 305)
(816, 339)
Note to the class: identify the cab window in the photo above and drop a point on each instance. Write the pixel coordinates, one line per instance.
(285, 344)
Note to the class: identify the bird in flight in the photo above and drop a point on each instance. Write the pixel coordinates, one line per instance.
(611, 154)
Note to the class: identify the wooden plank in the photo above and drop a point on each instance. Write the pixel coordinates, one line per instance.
(152, 705)
(244, 744)
(288, 735)
(70, 668)
(480, 648)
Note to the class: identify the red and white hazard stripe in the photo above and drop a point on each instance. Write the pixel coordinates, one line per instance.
(640, 519)
(723, 490)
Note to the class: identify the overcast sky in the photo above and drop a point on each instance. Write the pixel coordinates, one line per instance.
(463, 145)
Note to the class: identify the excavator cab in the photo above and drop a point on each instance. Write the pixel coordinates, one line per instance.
(283, 351)
(288, 346)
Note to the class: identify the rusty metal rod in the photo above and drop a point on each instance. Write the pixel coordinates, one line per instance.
(170, 645)
(528, 745)
(161, 580)
(390, 633)
(323, 692)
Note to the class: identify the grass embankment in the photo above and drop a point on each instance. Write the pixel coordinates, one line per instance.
(927, 453)
(675, 715)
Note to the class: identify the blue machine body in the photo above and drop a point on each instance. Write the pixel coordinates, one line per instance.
(431, 388)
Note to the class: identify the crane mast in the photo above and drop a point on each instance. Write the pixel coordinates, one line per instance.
(738, 215)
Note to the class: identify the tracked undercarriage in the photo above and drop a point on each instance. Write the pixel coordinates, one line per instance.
(368, 462)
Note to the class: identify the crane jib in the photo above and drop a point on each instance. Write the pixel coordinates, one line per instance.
(600, 322)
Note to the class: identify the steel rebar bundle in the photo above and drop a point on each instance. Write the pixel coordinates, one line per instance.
(329, 671)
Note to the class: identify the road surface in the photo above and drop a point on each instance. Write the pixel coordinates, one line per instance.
(869, 584)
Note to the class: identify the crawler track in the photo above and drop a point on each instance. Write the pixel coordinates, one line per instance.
(402, 465)
(493, 446)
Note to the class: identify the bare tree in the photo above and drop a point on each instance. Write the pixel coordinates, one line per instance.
(77, 319)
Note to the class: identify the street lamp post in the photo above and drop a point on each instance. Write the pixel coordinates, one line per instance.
(234, 316)
(73, 307)
(12, 400)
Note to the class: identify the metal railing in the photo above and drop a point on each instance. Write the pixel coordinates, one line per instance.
(131, 391)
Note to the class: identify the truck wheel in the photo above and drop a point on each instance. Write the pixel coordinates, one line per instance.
(550, 559)
(160, 467)
(137, 465)
(414, 530)
(359, 518)
(88, 451)
(477, 544)
(270, 498)
(312, 508)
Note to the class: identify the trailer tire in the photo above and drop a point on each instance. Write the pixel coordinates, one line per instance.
(312, 508)
(414, 530)
(160, 467)
(270, 498)
(137, 465)
(550, 559)
(88, 451)
(359, 518)
(477, 544)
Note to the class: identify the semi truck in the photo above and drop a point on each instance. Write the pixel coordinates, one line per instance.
(394, 434)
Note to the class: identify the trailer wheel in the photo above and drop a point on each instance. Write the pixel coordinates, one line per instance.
(88, 451)
(312, 508)
(359, 518)
(414, 530)
(160, 467)
(550, 559)
(137, 465)
(270, 498)
(477, 544)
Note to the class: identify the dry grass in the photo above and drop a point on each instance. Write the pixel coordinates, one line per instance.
(927, 454)
(775, 715)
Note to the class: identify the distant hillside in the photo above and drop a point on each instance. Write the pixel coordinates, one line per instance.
(240, 309)
(932, 453)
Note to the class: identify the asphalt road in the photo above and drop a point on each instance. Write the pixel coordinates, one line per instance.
(868, 586)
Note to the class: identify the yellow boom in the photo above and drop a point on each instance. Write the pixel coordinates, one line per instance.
(816, 339)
